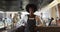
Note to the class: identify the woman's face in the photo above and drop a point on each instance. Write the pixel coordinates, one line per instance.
(31, 10)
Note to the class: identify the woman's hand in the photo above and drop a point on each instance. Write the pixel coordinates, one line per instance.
(40, 25)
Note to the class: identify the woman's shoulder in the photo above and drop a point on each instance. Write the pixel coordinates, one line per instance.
(37, 16)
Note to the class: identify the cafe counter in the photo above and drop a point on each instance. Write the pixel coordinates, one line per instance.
(49, 29)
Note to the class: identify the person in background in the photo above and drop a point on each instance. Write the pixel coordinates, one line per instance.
(19, 26)
(8, 21)
(15, 20)
(41, 15)
(31, 21)
(4, 21)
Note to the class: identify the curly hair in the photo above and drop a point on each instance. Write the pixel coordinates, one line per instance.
(31, 6)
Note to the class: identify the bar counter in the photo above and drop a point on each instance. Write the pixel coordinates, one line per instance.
(44, 29)
(49, 29)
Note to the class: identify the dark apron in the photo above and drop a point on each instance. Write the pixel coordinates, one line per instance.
(31, 24)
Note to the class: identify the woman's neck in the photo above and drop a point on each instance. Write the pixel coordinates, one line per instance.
(31, 15)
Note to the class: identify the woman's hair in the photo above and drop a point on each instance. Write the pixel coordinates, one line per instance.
(33, 6)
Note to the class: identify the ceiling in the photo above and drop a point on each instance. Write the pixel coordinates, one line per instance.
(19, 5)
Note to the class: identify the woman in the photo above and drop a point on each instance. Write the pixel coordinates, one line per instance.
(31, 21)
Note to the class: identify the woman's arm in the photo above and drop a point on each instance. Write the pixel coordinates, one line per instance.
(39, 21)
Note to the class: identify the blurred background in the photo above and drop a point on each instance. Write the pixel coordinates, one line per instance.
(17, 5)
